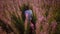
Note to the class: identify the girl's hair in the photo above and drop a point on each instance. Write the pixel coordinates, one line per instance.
(27, 7)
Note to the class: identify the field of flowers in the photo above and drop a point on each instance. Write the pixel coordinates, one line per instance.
(46, 16)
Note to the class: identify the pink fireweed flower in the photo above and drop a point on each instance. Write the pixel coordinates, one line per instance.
(40, 18)
(53, 25)
(32, 26)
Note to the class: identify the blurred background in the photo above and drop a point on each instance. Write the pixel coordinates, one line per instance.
(46, 16)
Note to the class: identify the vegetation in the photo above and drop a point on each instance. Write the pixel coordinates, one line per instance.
(5, 27)
(18, 23)
(50, 8)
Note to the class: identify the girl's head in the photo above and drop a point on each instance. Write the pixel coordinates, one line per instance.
(27, 7)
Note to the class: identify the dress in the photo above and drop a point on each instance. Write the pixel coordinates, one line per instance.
(29, 12)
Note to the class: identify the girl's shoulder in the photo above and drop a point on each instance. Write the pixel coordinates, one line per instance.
(28, 11)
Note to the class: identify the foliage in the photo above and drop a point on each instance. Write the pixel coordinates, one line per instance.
(41, 28)
(22, 8)
(58, 28)
(18, 23)
(58, 21)
(4, 27)
(47, 7)
(58, 15)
